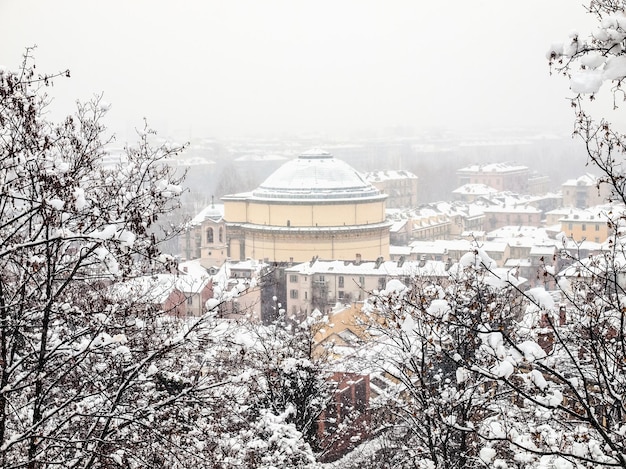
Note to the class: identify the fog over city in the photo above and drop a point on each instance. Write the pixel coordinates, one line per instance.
(277, 68)
(345, 234)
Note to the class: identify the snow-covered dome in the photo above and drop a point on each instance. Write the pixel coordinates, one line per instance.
(316, 174)
(214, 212)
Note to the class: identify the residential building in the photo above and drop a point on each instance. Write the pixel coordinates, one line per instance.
(511, 215)
(180, 295)
(320, 284)
(239, 288)
(588, 224)
(500, 176)
(471, 192)
(584, 192)
(399, 185)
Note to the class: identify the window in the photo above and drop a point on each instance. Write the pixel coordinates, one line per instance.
(209, 235)
(361, 281)
(597, 227)
(382, 282)
(321, 279)
(190, 300)
(221, 235)
(570, 226)
(340, 281)
(306, 295)
(293, 294)
(293, 278)
(584, 227)
(340, 294)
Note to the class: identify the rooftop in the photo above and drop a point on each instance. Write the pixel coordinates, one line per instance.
(316, 175)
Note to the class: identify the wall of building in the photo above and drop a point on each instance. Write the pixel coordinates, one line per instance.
(329, 213)
(498, 218)
(285, 246)
(595, 230)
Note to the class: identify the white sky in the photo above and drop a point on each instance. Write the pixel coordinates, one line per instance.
(271, 67)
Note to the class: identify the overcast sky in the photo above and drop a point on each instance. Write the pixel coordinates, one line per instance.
(273, 67)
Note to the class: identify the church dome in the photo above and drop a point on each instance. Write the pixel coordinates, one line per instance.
(316, 174)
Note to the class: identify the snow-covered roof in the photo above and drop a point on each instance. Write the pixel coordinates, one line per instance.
(316, 174)
(213, 212)
(594, 214)
(526, 209)
(398, 226)
(595, 265)
(399, 250)
(546, 250)
(157, 288)
(494, 246)
(493, 168)
(475, 189)
(586, 179)
(440, 246)
(193, 268)
(385, 268)
(386, 175)
(515, 232)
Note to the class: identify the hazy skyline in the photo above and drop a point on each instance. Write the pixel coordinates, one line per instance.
(219, 69)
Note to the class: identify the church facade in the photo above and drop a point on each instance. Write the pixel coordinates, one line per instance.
(314, 205)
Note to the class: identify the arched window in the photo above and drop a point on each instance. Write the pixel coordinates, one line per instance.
(209, 235)
(221, 235)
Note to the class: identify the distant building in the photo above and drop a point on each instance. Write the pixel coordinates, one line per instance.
(589, 224)
(239, 286)
(314, 205)
(500, 216)
(471, 192)
(322, 284)
(399, 185)
(500, 176)
(430, 223)
(180, 295)
(584, 192)
(539, 184)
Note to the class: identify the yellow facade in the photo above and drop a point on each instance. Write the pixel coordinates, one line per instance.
(596, 230)
(294, 216)
(302, 215)
(330, 244)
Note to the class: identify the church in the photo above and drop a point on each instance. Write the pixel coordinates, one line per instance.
(312, 206)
